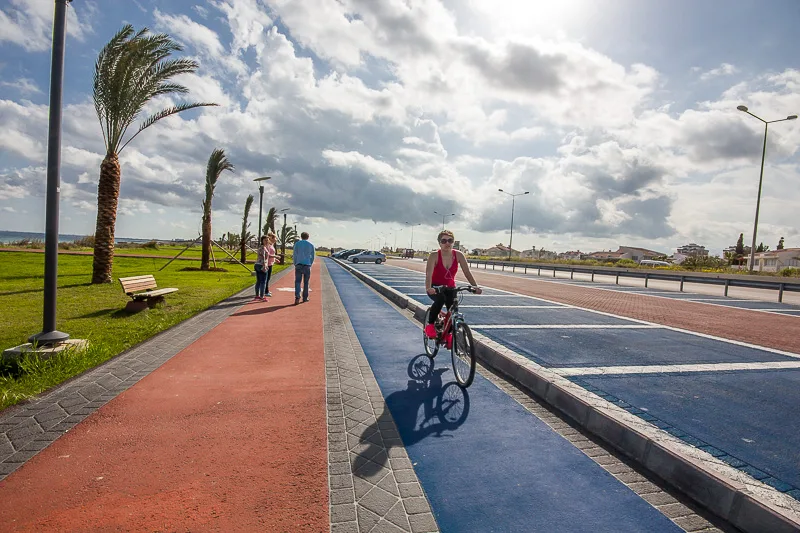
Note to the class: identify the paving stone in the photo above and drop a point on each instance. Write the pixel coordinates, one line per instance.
(20, 456)
(423, 523)
(410, 489)
(659, 498)
(343, 512)
(7, 468)
(674, 510)
(366, 519)
(416, 505)
(342, 496)
(384, 526)
(347, 527)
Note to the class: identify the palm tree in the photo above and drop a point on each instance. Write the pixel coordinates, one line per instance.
(217, 163)
(288, 235)
(270, 223)
(131, 70)
(246, 235)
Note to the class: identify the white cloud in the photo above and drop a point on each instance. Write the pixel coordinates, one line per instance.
(29, 23)
(725, 69)
(24, 86)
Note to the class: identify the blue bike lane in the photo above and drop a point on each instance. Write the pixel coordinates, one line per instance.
(484, 462)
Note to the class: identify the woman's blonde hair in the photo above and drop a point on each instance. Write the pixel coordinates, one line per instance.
(271, 236)
(445, 232)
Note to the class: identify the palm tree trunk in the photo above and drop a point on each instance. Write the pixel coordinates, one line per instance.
(107, 200)
(206, 241)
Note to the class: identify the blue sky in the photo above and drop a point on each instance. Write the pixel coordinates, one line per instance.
(619, 117)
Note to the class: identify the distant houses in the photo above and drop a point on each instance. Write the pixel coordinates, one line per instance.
(776, 260)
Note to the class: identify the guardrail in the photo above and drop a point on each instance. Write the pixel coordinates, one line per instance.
(726, 280)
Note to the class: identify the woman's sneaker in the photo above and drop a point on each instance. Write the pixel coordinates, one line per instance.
(268, 295)
(430, 331)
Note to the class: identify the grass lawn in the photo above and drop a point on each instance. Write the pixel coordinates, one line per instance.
(95, 312)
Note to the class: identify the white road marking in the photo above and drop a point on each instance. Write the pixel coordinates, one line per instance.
(658, 369)
(513, 306)
(671, 328)
(564, 326)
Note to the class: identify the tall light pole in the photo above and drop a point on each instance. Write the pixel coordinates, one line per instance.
(412, 233)
(260, 201)
(443, 215)
(49, 335)
(513, 198)
(761, 176)
(283, 235)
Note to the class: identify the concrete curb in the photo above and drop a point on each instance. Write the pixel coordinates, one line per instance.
(727, 492)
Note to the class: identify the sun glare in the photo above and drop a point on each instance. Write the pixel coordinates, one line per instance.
(525, 17)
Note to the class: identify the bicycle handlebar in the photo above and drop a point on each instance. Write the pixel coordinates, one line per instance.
(442, 288)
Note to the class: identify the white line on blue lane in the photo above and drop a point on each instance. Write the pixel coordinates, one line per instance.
(673, 369)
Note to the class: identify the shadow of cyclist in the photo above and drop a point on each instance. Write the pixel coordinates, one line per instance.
(426, 407)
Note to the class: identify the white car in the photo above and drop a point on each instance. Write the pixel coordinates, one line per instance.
(368, 257)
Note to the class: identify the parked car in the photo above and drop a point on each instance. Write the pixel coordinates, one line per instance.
(653, 263)
(368, 257)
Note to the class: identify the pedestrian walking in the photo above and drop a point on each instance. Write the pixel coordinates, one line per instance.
(302, 257)
(261, 269)
(271, 240)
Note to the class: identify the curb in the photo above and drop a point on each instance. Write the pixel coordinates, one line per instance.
(727, 492)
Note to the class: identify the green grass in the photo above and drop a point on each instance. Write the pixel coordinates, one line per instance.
(95, 312)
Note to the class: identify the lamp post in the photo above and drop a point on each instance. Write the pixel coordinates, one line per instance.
(283, 236)
(49, 335)
(443, 215)
(761, 176)
(260, 201)
(513, 198)
(412, 233)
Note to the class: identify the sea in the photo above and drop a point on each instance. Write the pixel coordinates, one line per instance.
(14, 236)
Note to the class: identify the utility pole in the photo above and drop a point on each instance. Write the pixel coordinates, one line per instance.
(49, 335)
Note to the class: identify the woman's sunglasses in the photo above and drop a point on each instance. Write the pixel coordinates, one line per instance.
(446, 241)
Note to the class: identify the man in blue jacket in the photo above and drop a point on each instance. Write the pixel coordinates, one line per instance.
(303, 258)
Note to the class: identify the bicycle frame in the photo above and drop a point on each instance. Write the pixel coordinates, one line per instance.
(449, 317)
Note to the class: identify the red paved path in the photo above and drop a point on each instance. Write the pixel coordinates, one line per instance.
(229, 435)
(771, 330)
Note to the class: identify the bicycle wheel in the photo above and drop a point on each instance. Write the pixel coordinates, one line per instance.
(431, 346)
(463, 354)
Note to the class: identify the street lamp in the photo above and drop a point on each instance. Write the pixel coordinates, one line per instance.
(411, 247)
(444, 216)
(260, 201)
(760, 177)
(513, 198)
(49, 335)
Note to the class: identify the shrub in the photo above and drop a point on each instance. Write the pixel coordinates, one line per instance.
(627, 263)
(151, 244)
(791, 272)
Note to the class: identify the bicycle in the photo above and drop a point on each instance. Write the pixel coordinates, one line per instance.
(453, 332)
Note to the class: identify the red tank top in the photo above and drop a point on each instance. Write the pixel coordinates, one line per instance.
(445, 276)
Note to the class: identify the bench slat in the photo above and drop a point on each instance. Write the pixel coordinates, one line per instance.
(153, 294)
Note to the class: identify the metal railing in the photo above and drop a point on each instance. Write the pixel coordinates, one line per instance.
(726, 280)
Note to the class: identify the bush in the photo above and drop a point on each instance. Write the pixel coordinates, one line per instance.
(704, 263)
(627, 263)
(151, 244)
(790, 272)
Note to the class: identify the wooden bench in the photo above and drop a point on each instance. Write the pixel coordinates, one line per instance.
(143, 291)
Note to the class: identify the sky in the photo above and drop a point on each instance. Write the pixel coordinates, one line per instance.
(374, 119)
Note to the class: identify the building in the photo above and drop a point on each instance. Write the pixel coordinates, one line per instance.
(637, 254)
(605, 256)
(501, 250)
(776, 260)
(571, 255)
(529, 254)
(693, 250)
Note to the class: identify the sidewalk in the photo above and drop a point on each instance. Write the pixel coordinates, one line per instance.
(228, 435)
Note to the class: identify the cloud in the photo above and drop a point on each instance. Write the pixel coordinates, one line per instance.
(29, 23)
(725, 69)
(24, 86)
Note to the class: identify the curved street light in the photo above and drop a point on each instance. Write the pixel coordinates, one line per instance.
(744, 109)
(444, 215)
(513, 198)
(411, 247)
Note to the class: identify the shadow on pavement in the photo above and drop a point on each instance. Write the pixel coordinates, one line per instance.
(427, 407)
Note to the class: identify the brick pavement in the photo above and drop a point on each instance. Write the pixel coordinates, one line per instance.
(770, 330)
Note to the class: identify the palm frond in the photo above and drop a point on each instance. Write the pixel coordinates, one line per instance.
(247, 205)
(217, 164)
(132, 69)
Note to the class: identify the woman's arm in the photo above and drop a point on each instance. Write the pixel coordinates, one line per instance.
(462, 261)
(432, 258)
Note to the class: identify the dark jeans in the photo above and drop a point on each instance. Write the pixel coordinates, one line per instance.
(301, 273)
(439, 301)
(266, 282)
(261, 280)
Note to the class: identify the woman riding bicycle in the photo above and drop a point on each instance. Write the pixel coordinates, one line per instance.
(441, 270)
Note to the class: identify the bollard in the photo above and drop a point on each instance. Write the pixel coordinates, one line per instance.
(539, 273)
(592, 276)
(504, 267)
(727, 282)
(780, 293)
(682, 278)
(571, 274)
(554, 272)
(617, 279)
(646, 278)
(526, 270)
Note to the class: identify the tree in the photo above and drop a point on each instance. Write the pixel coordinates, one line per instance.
(217, 164)
(287, 235)
(269, 225)
(740, 249)
(761, 248)
(246, 235)
(780, 244)
(132, 69)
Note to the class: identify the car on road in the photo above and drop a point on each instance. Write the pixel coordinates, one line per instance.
(368, 257)
(653, 263)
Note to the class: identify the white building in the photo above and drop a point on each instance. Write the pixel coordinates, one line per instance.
(693, 249)
(776, 260)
